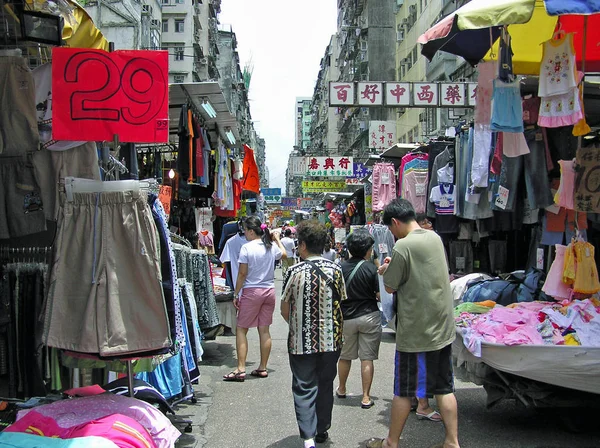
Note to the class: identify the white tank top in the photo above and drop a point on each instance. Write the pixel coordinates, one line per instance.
(558, 68)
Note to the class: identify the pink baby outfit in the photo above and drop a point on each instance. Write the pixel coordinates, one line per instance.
(384, 185)
(554, 285)
(566, 190)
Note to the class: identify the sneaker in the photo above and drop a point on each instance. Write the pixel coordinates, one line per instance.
(321, 438)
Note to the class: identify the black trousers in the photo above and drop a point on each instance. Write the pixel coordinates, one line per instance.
(312, 387)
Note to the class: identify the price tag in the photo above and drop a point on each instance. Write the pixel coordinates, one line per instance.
(98, 94)
(460, 263)
(421, 189)
(502, 199)
(526, 115)
(539, 259)
(383, 249)
(385, 178)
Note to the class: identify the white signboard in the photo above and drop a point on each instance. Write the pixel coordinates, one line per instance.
(382, 134)
(330, 166)
(298, 166)
(308, 203)
(472, 96)
(425, 94)
(397, 94)
(341, 93)
(453, 94)
(370, 93)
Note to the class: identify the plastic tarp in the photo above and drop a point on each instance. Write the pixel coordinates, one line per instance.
(561, 365)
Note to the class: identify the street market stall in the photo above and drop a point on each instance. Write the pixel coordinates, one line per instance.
(511, 336)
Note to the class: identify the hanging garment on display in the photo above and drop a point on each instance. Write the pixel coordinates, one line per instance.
(480, 167)
(251, 180)
(204, 219)
(42, 77)
(384, 185)
(485, 87)
(51, 167)
(586, 272)
(415, 189)
(558, 69)
(561, 110)
(18, 118)
(554, 285)
(441, 161)
(109, 239)
(565, 196)
(505, 65)
(514, 144)
(411, 161)
(507, 107)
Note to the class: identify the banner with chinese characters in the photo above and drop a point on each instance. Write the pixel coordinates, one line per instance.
(308, 203)
(272, 195)
(289, 202)
(330, 166)
(403, 94)
(361, 170)
(322, 186)
(297, 166)
(354, 181)
(382, 134)
(587, 180)
(165, 193)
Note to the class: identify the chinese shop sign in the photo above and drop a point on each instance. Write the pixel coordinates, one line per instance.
(97, 95)
(403, 94)
(308, 203)
(382, 134)
(289, 202)
(322, 186)
(330, 166)
(360, 170)
(272, 195)
(297, 166)
(354, 181)
(587, 180)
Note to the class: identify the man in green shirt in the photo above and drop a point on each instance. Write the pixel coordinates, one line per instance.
(418, 274)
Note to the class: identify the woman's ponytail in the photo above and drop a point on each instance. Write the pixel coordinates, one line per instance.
(266, 236)
(262, 230)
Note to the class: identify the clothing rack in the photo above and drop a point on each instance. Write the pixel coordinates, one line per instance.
(24, 254)
(180, 239)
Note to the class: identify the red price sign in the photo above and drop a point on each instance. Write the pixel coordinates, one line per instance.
(164, 196)
(98, 94)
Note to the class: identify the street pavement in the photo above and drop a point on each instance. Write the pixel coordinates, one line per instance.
(259, 413)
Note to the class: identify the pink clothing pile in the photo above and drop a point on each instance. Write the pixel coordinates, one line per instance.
(79, 412)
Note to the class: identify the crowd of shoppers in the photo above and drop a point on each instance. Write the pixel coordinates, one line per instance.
(332, 309)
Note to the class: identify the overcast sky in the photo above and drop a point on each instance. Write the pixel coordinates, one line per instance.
(286, 41)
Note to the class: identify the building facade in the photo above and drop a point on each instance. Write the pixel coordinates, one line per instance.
(324, 134)
(366, 42)
(303, 120)
(413, 18)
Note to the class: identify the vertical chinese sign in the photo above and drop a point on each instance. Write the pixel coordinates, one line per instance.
(97, 95)
(382, 135)
(330, 166)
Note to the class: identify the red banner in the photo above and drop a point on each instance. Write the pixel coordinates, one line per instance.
(98, 94)
(164, 196)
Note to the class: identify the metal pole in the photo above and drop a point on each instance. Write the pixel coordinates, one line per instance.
(130, 378)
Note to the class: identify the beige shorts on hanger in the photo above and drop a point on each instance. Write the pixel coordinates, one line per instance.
(105, 294)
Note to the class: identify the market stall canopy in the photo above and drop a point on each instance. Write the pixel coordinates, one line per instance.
(197, 93)
(398, 151)
(472, 31)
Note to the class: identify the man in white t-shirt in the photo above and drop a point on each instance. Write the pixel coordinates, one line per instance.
(231, 254)
(290, 248)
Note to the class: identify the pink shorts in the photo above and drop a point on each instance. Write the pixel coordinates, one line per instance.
(256, 307)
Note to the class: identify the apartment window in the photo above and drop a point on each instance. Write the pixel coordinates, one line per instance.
(415, 55)
(165, 26)
(178, 78)
(179, 25)
(179, 53)
(420, 5)
(164, 2)
(179, 2)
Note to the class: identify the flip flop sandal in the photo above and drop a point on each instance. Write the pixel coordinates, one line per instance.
(375, 443)
(236, 377)
(368, 405)
(337, 394)
(433, 416)
(260, 373)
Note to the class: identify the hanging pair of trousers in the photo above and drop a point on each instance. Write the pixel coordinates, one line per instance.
(312, 387)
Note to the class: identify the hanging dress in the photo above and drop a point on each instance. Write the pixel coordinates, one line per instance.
(586, 275)
(554, 285)
(566, 191)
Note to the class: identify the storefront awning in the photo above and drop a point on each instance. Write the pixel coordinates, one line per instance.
(399, 150)
(198, 93)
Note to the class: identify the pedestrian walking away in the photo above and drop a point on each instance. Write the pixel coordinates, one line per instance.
(362, 318)
(290, 247)
(311, 304)
(255, 294)
(418, 274)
